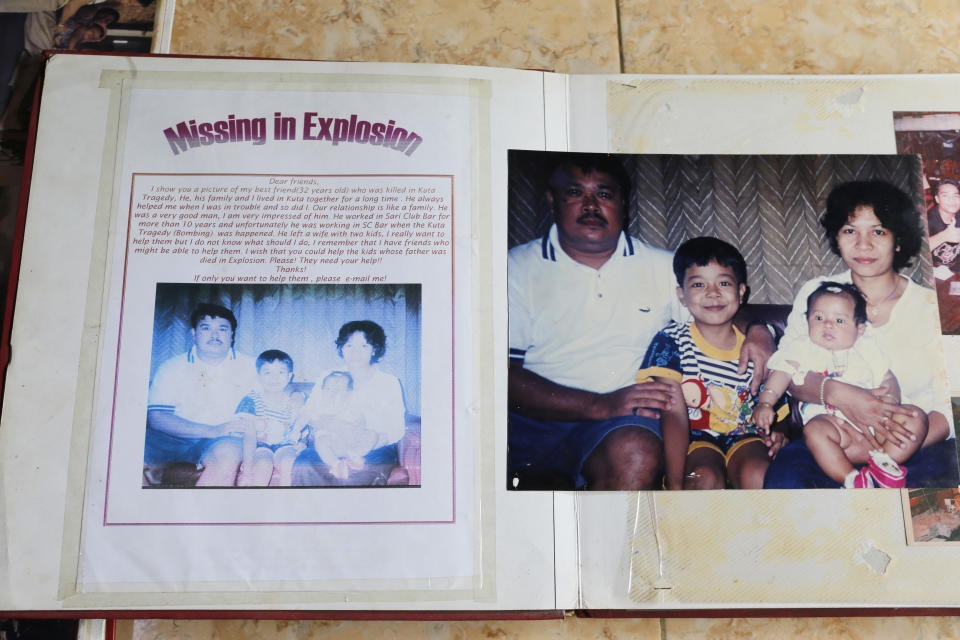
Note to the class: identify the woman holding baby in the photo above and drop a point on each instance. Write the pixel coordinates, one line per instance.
(874, 228)
(356, 415)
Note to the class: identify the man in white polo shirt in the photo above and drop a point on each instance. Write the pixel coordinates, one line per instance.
(584, 302)
(191, 411)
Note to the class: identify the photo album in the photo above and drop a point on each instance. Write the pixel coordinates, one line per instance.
(308, 336)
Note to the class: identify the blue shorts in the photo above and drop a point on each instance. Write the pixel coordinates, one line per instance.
(561, 447)
(162, 448)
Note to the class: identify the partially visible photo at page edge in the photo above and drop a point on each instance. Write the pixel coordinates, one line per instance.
(286, 337)
(931, 515)
(680, 322)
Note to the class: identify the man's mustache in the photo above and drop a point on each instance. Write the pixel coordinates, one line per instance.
(592, 216)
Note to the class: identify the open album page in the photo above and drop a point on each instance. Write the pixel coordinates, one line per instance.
(716, 549)
(280, 293)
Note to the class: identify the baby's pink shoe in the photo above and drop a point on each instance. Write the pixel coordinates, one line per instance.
(886, 471)
(859, 479)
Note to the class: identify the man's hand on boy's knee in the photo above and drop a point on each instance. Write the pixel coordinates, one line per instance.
(644, 399)
(242, 424)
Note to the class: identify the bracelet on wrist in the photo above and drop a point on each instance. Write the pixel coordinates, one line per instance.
(823, 385)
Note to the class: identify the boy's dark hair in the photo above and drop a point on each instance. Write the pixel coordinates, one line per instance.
(704, 250)
(841, 289)
(338, 374)
(210, 310)
(895, 210)
(372, 333)
(274, 355)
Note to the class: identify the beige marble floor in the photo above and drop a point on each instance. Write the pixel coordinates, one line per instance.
(578, 37)
(695, 36)
(648, 629)
(944, 628)
(587, 36)
(790, 36)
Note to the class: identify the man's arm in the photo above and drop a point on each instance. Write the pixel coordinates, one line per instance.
(757, 347)
(536, 397)
(174, 425)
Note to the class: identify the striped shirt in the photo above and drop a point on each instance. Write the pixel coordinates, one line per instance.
(279, 417)
(718, 397)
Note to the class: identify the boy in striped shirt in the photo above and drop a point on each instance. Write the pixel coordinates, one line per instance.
(271, 441)
(709, 435)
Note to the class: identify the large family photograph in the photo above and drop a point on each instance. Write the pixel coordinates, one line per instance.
(284, 385)
(710, 322)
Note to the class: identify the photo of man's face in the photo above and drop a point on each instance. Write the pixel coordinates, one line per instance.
(588, 209)
(212, 337)
(948, 197)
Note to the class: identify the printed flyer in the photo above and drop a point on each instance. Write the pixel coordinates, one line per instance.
(276, 261)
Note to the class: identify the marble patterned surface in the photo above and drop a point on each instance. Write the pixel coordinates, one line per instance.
(568, 628)
(790, 36)
(570, 37)
(696, 36)
(946, 628)
(811, 628)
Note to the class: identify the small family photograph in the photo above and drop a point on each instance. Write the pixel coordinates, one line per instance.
(933, 515)
(284, 386)
(723, 322)
(936, 137)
